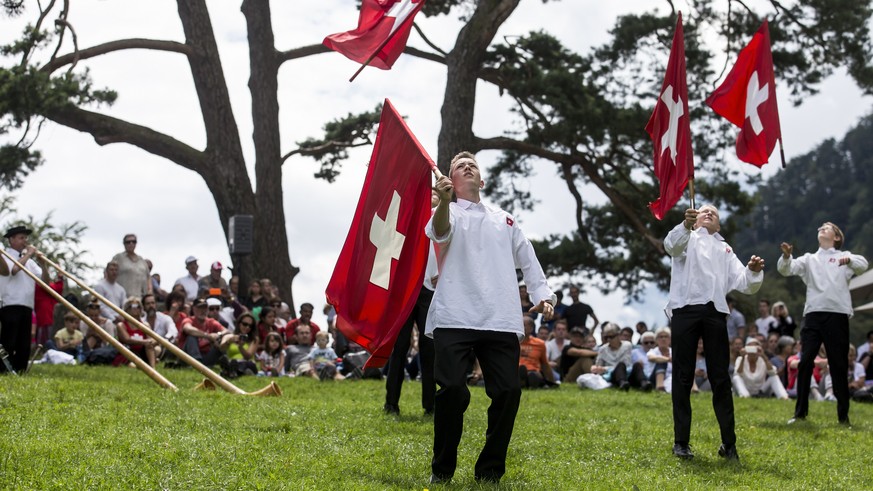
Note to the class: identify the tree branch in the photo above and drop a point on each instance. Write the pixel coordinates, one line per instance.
(427, 41)
(107, 129)
(301, 52)
(308, 151)
(119, 45)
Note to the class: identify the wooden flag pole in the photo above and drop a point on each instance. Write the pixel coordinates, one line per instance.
(379, 49)
(781, 152)
(691, 190)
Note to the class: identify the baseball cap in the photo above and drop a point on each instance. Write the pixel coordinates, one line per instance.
(199, 303)
(217, 265)
(189, 260)
(213, 302)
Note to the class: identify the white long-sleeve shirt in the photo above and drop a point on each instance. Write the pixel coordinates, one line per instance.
(478, 288)
(705, 269)
(753, 380)
(827, 283)
(19, 288)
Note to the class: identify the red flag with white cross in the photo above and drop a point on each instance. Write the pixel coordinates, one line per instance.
(670, 130)
(747, 98)
(381, 35)
(380, 269)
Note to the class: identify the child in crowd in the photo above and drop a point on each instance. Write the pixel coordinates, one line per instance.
(272, 357)
(323, 359)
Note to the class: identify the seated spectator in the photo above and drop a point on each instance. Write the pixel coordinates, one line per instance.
(304, 319)
(543, 333)
(283, 311)
(322, 360)
(784, 325)
(754, 375)
(736, 347)
(110, 289)
(213, 281)
(160, 293)
(555, 346)
(857, 377)
(641, 328)
(784, 349)
(526, 304)
(272, 357)
(533, 364)
(267, 323)
(662, 356)
(189, 282)
(201, 336)
(175, 308)
(69, 339)
(296, 361)
(770, 346)
(240, 350)
(701, 377)
(865, 355)
(92, 340)
(578, 357)
(159, 322)
(254, 298)
(213, 311)
(613, 358)
(627, 334)
(130, 335)
(640, 358)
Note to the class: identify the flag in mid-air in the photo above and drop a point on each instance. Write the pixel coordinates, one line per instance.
(670, 130)
(747, 98)
(383, 28)
(380, 269)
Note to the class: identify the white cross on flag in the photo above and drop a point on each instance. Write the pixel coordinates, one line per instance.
(382, 32)
(380, 269)
(670, 130)
(747, 98)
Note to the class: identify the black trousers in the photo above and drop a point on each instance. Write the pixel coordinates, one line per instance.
(397, 361)
(832, 329)
(15, 322)
(691, 323)
(498, 354)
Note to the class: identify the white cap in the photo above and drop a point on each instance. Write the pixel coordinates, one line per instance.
(189, 260)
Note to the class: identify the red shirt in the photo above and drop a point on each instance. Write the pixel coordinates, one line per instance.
(291, 331)
(44, 304)
(208, 326)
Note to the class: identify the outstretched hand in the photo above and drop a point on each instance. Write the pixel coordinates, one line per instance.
(786, 249)
(690, 218)
(756, 264)
(545, 308)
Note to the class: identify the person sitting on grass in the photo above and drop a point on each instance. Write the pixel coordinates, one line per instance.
(322, 360)
(200, 336)
(754, 375)
(272, 357)
(578, 356)
(701, 379)
(240, 349)
(533, 364)
(297, 355)
(132, 336)
(69, 339)
(857, 376)
(662, 356)
(640, 358)
(613, 358)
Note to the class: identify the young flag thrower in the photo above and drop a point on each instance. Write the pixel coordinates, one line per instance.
(381, 35)
(670, 130)
(380, 269)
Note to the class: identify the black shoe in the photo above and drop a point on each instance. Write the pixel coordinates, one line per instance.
(646, 386)
(428, 412)
(625, 386)
(682, 451)
(728, 452)
(845, 422)
(391, 409)
(437, 479)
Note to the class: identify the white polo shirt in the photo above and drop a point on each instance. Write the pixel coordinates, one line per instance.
(18, 288)
(705, 269)
(477, 287)
(827, 283)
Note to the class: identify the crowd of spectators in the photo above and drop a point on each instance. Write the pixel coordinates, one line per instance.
(253, 332)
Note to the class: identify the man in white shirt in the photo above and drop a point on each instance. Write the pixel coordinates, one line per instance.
(190, 281)
(704, 270)
(826, 312)
(765, 321)
(17, 291)
(158, 321)
(112, 290)
(474, 314)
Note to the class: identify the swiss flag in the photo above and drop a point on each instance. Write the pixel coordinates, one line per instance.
(670, 130)
(747, 98)
(382, 31)
(380, 269)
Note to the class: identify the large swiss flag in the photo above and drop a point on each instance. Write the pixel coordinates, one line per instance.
(747, 98)
(670, 130)
(381, 266)
(383, 29)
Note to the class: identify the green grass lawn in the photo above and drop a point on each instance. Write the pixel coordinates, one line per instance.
(72, 427)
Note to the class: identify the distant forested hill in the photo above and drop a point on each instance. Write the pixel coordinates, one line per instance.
(831, 183)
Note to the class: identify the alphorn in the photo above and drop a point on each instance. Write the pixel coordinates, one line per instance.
(272, 389)
(105, 336)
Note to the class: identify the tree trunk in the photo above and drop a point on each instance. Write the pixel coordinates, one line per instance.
(463, 65)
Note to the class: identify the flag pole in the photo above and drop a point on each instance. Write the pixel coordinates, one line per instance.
(379, 49)
(691, 190)
(781, 152)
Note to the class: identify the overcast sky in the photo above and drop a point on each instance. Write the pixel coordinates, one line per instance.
(118, 189)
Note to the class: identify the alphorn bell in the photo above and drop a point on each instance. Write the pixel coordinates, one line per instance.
(272, 389)
(105, 336)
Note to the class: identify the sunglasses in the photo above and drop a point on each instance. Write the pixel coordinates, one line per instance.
(246, 324)
(130, 242)
(215, 308)
(648, 342)
(607, 338)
